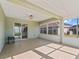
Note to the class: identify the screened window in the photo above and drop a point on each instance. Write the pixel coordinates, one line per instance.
(43, 29)
(53, 28)
(50, 30)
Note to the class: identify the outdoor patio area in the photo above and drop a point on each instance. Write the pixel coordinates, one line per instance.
(38, 49)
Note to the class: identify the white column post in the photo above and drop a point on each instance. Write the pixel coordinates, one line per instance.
(61, 30)
(77, 28)
(47, 28)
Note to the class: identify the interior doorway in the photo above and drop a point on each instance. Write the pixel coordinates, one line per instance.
(20, 31)
(24, 31)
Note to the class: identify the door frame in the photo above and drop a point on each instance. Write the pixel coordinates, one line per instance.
(21, 31)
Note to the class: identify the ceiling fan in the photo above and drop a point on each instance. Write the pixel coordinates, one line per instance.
(30, 16)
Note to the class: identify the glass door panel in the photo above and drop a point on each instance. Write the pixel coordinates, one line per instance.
(17, 30)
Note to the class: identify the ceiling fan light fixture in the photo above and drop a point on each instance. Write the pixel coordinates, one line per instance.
(31, 16)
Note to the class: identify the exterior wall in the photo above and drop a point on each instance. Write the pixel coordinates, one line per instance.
(33, 27)
(2, 29)
(66, 30)
(55, 38)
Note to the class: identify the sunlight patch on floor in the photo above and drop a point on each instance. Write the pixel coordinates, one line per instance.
(27, 55)
(61, 55)
(9, 58)
(53, 45)
(45, 49)
(70, 50)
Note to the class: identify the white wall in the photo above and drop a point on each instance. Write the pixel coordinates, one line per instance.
(33, 30)
(2, 30)
(33, 27)
(55, 38)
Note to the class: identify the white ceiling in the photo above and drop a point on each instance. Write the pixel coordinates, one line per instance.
(16, 11)
(64, 8)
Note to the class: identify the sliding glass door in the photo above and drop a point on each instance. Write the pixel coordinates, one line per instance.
(20, 31)
(17, 31)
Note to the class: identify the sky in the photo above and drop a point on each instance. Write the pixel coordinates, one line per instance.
(71, 21)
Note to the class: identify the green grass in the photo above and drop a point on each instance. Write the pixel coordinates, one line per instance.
(17, 34)
(77, 36)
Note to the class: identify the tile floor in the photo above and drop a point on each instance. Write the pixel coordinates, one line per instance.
(38, 49)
